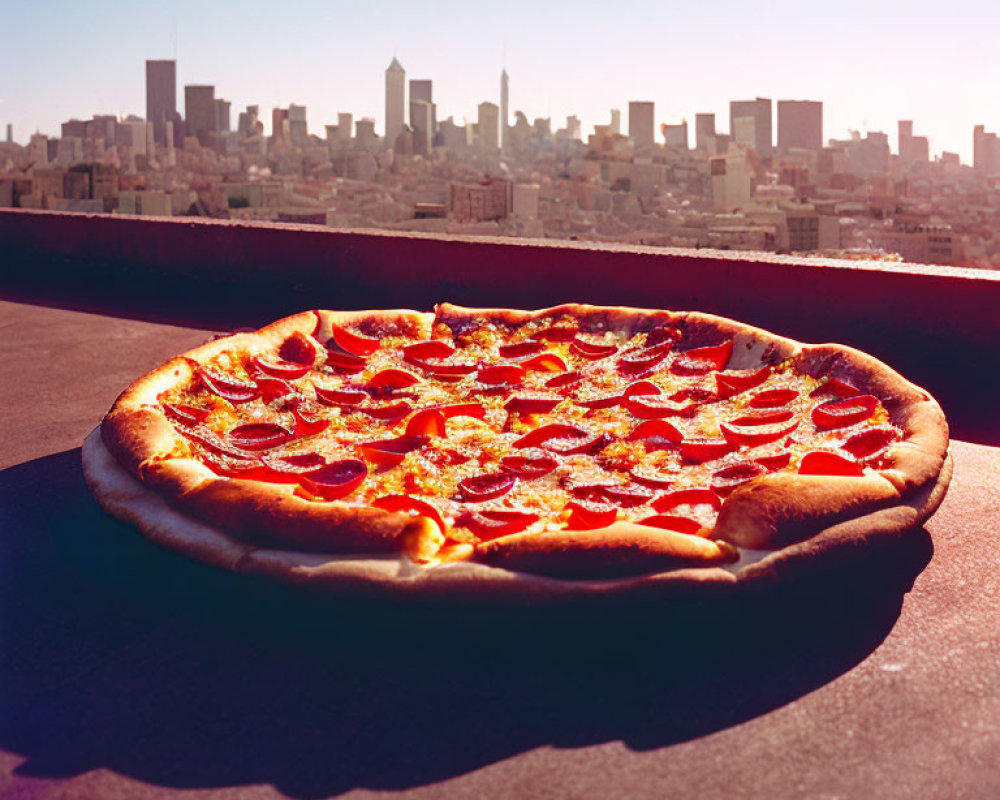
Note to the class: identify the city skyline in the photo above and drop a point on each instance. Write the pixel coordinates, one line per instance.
(549, 77)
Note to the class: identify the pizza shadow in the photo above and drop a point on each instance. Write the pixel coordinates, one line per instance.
(120, 655)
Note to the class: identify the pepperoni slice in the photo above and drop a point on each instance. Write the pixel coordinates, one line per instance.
(658, 407)
(821, 462)
(501, 373)
(773, 398)
(558, 333)
(572, 445)
(655, 428)
(870, 443)
(729, 384)
(392, 413)
(480, 488)
(756, 435)
(700, 449)
(450, 410)
(307, 423)
(602, 401)
(256, 436)
(393, 378)
(427, 422)
(340, 396)
(243, 469)
(450, 372)
(836, 387)
(299, 349)
(587, 516)
(556, 430)
(401, 503)
(529, 467)
(725, 480)
(210, 440)
(774, 462)
(650, 480)
(661, 334)
(335, 480)
(696, 394)
(286, 370)
(672, 522)
(687, 497)
(492, 524)
(703, 360)
(288, 468)
(640, 361)
(567, 380)
(521, 349)
(764, 417)
(273, 388)
(354, 343)
(231, 389)
(531, 405)
(592, 351)
(185, 415)
(544, 362)
(621, 495)
(841, 413)
(345, 363)
(388, 453)
(432, 348)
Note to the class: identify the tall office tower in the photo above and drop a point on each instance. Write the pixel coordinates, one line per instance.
(760, 111)
(616, 121)
(248, 121)
(344, 124)
(704, 131)
(298, 128)
(279, 121)
(504, 110)
(395, 102)
(488, 126)
(222, 115)
(800, 124)
(422, 91)
(640, 123)
(161, 96)
(199, 111)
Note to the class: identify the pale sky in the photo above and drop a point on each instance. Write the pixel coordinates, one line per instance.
(871, 63)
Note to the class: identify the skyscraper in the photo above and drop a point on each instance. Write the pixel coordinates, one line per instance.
(640, 123)
(504, 109)
(800, 124)
(704, 130)
(199, 111)
(395, 101)
(161, 96)
(488, 127)
(422, 120)
(760, 111)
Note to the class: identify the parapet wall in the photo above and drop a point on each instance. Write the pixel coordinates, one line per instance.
(938, 325)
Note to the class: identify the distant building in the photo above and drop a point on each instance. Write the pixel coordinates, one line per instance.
(395, 102)
(759, 111)
(423, 115)
(985, 151)
(675, 135)
(912, 149)
(479, 202)
(161, 96)
(222, 115)
(731, 181)
(640, 123)
(249, 124)
(800, 124)
(488, 127)
(200, 114)
(616, 121)
(344, 124)
(704, 131)
(504, 110)
(298, 128)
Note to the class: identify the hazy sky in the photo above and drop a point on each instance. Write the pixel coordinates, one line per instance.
(871, 63)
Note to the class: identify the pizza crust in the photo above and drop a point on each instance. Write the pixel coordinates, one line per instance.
(770, 512)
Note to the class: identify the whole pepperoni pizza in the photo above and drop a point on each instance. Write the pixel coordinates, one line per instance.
(575, 445)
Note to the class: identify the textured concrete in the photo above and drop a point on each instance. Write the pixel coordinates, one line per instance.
(126, 671)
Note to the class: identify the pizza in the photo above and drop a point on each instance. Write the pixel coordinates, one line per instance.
(578, 443)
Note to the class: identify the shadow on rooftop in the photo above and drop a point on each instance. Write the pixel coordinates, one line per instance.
(120, 655)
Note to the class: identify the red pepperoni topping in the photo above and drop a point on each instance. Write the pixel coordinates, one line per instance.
(307, 422)
(821, 462)
(393, 379)
(728, 478)
(210, 440)
(335, 480)
(655, 428)
(637, 362)
(531, 405)
(392, 413)
(401, 503)
(185, 415)
(354, 343)
(427, 422)
(841, 413)
(299, 349)
(700, 449)
(703, 360)
(450, 372)
(528, 467)
(558, 333)
(592, 351)
(521, 349)
(256, 436)
(544, 362)
(870, 443)
(567, 380)
(231, 389)
(345, 362)
(672, 522)
(387, 453)
(764, 417)
(273, 388)
(729, 384)
(433, 348)
(653, 481)
(773, 398)
(603, 401)
(756, 435)
(645, 408)
(286, 370)
(587, 516)
(687, 497)
(556, 430)
(774, 462)
(288, 468)
(621, 495)
(661, 334)
(340, 396)
(479, 488)
(696, 394)
(235, 467)
(462, 410)
(501, 373)
(836, 387)
(492, 524)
